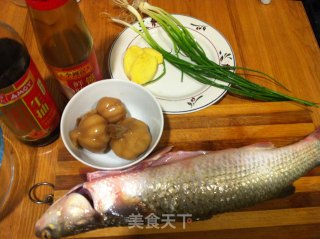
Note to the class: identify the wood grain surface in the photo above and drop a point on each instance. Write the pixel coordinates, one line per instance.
(275, 38)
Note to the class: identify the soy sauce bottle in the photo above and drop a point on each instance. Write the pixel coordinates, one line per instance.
(65, 43)
(26, 106)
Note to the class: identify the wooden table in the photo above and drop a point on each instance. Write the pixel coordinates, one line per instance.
(276, 39)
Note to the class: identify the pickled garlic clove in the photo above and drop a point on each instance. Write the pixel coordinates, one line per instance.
(135, 139)
(112, 109)
(93, 134)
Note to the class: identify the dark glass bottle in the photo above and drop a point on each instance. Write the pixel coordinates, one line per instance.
(26, 105)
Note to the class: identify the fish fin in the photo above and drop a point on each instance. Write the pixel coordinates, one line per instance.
(314, 135)
(261, 145)
(158, 154)
(287, 191)
(161, 157)
(154, 157)
(177, 156)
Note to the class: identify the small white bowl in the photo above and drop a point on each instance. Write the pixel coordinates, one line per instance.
(140, 104)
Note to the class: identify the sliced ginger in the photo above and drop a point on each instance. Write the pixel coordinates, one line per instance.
(131, 55)
(141, 64)
(144, 68)
(155, 53)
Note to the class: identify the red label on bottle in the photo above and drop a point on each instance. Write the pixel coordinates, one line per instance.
(21, 91)
(75, 78)
(29, 98)
(45, 5)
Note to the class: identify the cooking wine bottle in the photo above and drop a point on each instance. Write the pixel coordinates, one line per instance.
(26, 106)
(65, 43)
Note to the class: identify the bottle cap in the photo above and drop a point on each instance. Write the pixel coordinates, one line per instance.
(45, 5)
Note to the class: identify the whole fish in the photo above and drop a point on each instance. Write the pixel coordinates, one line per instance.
(199, 184)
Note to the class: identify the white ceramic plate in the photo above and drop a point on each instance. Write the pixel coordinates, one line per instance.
(176, 94)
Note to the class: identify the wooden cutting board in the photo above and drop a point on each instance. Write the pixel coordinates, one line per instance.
(219, 127)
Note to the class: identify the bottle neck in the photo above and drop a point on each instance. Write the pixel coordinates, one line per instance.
(62, 35)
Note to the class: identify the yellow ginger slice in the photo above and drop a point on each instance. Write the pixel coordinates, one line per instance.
(155, 53)
(141, 64)
(130, 57)
(144, 68)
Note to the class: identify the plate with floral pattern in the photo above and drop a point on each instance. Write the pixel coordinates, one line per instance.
(176, 92)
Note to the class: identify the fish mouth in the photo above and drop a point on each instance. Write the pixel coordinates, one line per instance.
(47, 234)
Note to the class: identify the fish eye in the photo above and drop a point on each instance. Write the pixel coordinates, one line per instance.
(46, 234)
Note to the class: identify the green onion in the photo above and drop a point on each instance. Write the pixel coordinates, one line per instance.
(201, 68)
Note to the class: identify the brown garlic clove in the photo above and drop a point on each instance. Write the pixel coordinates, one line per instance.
(134, 141)
(112, 109)
(74, 135)
(93, 133)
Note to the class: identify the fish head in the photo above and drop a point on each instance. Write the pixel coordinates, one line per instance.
(69, 215)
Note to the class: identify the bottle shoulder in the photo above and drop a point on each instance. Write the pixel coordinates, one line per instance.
(62, 35)
(14, 59)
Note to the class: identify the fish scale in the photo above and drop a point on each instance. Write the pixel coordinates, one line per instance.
(246, 188)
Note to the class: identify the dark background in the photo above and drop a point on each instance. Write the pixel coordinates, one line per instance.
(313, 10)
